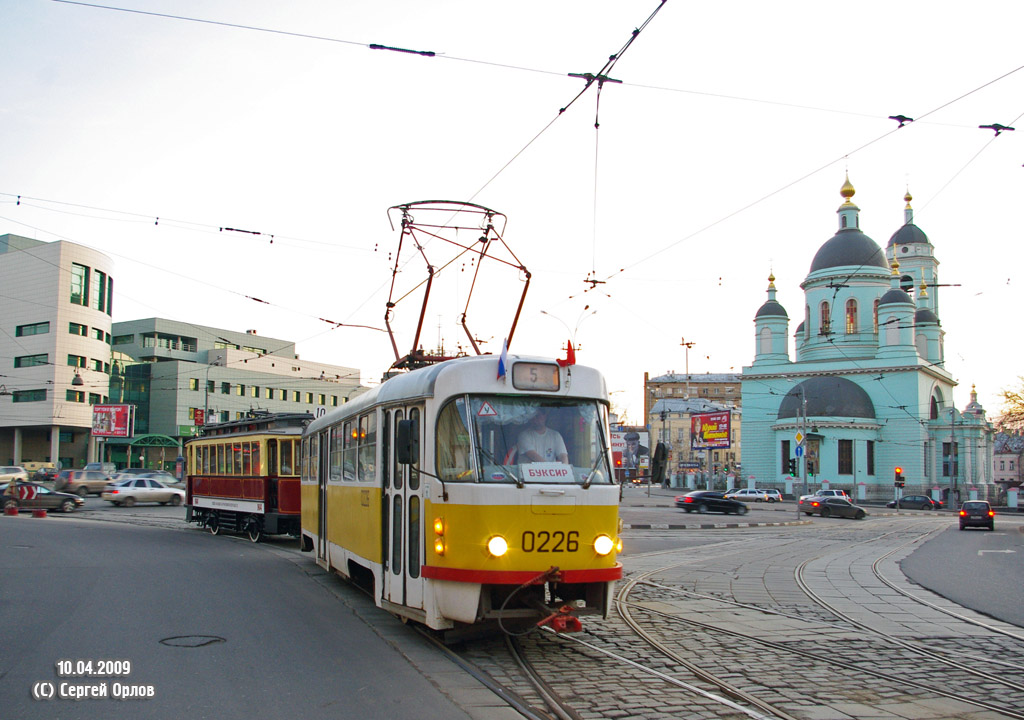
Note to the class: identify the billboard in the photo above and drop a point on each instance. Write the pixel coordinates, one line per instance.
(710, 430)
(629, 450)
(112, 421)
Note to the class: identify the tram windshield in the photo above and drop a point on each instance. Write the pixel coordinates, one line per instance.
(495, 439)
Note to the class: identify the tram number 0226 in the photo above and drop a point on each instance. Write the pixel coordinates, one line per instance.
(545, 541)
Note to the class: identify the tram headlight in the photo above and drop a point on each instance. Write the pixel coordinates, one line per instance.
(439, 526)
(439, 545)
(497, 546)
(603, 545)
(618, 546)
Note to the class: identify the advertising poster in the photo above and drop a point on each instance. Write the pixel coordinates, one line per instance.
(630, 449)
(112, 421)
(710, 430)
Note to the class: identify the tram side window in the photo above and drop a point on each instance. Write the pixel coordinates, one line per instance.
(349, 453)
(337, 444)
(257, 468)
(287, 457)
(368, 448)
(453, 451)
(246, 458)
(414, 469)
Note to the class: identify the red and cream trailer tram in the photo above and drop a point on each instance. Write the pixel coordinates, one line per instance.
(243, 475)
(462, 498)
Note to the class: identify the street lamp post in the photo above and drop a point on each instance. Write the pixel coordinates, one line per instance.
(687, 345)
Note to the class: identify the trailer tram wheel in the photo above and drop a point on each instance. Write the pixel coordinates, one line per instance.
(213, 524)
(254, 529)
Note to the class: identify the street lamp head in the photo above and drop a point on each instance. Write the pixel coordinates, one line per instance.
(77, 381)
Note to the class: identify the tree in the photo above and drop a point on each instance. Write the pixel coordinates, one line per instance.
(1013, 407)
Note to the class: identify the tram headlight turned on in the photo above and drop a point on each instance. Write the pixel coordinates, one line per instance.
(446, 495)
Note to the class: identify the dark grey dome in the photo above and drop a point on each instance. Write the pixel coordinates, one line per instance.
(827, 397)
(909, 233)
(895, 295)
(771, 307)
(849, 246)
(799, 328)
(924, 315)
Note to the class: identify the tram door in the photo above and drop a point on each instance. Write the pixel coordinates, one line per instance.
(403, 497)
(317, 454)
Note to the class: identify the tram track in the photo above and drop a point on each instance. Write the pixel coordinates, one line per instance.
(889, 676)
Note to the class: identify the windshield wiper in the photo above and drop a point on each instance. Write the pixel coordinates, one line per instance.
(602, 454)
(503, 466)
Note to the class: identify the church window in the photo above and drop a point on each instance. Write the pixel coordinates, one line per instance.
(851, 316)
(766, 341)
(825, 315)
(807, 322)
(876, 315)
(871, 457)
(846, 457)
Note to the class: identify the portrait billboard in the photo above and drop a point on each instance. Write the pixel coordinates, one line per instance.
(112, 420)
(630, 449)
(710, 430)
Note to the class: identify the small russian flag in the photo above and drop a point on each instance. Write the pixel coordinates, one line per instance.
(503, 359)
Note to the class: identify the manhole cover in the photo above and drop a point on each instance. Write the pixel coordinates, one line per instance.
(192, 641)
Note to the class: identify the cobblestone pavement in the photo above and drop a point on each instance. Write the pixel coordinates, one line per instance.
(737, 575)
(743, 580)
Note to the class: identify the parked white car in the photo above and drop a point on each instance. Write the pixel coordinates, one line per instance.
(829, 493)
(13, 472)
(749, 495)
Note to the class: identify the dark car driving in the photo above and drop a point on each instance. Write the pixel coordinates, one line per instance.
(977, 513)
(916, 502)
(830, 507)
(31, 496)
(704, 501)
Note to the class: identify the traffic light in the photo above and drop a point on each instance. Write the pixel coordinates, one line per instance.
(792, 467)
(899, 477)
(810, 467)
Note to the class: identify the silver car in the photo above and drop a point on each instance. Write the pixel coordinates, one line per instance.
(13, 472)
(142, 489)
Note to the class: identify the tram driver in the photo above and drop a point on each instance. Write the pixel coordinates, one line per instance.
(539, 443)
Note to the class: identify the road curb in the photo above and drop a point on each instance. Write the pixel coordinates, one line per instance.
(710, 526)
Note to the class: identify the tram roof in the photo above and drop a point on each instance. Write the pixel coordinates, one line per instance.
(420, 383)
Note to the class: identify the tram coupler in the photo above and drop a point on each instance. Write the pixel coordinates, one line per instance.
(562, 621)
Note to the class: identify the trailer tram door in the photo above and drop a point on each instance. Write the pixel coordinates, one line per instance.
(317, 452)
(403, 538)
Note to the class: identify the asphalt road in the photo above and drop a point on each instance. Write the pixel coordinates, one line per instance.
(975, 568)
(212, 628)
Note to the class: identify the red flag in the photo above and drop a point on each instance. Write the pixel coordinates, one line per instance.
(570, 356)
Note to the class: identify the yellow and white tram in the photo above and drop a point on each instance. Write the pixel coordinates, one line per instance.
(463, 498)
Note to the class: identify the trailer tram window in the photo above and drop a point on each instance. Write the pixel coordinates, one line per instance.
(288, 457)
(257, 468)
(337, 443)
(349, 452)
(368, 448)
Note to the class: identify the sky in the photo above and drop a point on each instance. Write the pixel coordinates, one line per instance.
(718, 160)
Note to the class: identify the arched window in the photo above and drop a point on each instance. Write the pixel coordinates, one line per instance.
(876, 315)
(823, 329)
(851, 316)
(766, 341)
(807, 322)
